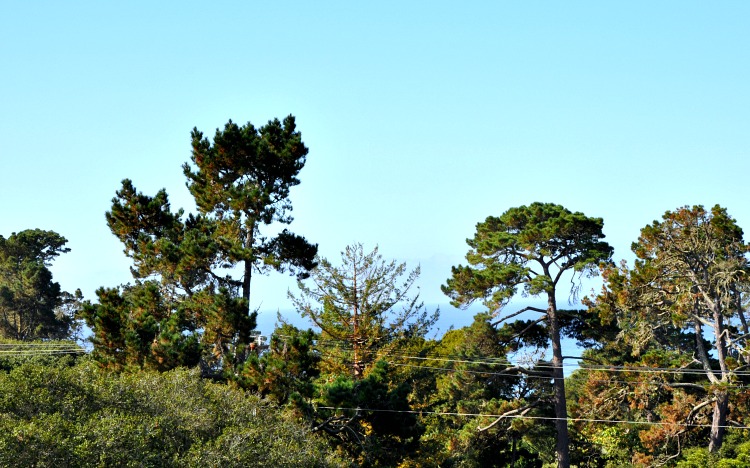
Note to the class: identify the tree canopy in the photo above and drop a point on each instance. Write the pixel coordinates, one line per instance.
(31, 303)
(184, 266)
(531, 247)
(365, 303)
(242, 182)
(689, 277)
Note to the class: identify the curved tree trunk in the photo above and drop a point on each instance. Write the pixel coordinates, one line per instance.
(719, 420)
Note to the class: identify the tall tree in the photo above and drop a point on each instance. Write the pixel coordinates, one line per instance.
(181, 255)
(531, 247)
(31, 304)
(471, 375)
(690, 271)
(242, 183)
(656, 386)
(365, 304)
(366, 309)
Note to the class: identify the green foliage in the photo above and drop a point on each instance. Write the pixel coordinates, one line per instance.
(137, 327)
(75, 415)
(32, 306)
(506, 251)
(242, 182)
(475, 379)
(13, 353)
(287, 369)
(181, 254)
(528, 249)
(356, 307)
(372, 419)
(183, 311)
(225, 328)
(364, 310)
(186, 305)
(731, 456)
(481, 352)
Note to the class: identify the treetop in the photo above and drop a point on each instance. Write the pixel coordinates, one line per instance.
(530, 246)
(34, 245)
(246, 169)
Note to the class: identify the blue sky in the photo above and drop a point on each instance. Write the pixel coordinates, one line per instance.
(422, 118)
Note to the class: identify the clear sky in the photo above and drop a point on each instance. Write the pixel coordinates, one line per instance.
(422, 117)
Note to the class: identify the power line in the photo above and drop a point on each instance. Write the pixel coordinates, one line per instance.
(540, 418)
(41, 352)
(490, 361)
(540, 377)
(37, 349)
(31, 344)
(480, 360)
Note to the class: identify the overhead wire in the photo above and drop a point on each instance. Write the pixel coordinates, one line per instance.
(484, 360)
(601, 368)
(526, 376)
(542, 418)
(37, 349)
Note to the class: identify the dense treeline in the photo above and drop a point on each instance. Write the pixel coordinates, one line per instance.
(65, 412)
(177, 375)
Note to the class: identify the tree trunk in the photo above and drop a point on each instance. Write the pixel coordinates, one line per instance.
(721, 405)
(719, 420)
(356, 365)
(561, 411)
(249, 239)
(739, 310)
(246, 282)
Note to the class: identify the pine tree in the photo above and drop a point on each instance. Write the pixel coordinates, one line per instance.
(531, 247)
(364, 305)
(31, 303)
(241, 182)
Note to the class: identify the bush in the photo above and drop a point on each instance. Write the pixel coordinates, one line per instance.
(77, 415)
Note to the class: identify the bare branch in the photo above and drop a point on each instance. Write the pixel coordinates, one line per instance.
(517, 313)
(520, 412)
(688, 385)
(342, 423)
(525, 371)
(697, 408)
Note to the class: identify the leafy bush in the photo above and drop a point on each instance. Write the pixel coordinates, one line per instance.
(73, 414)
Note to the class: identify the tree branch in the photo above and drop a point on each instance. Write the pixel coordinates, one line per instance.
(519, 334)
(697, 408)
(518, 411)
(326, 425)
(517, 313)
(525, 371)
(688, 385)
